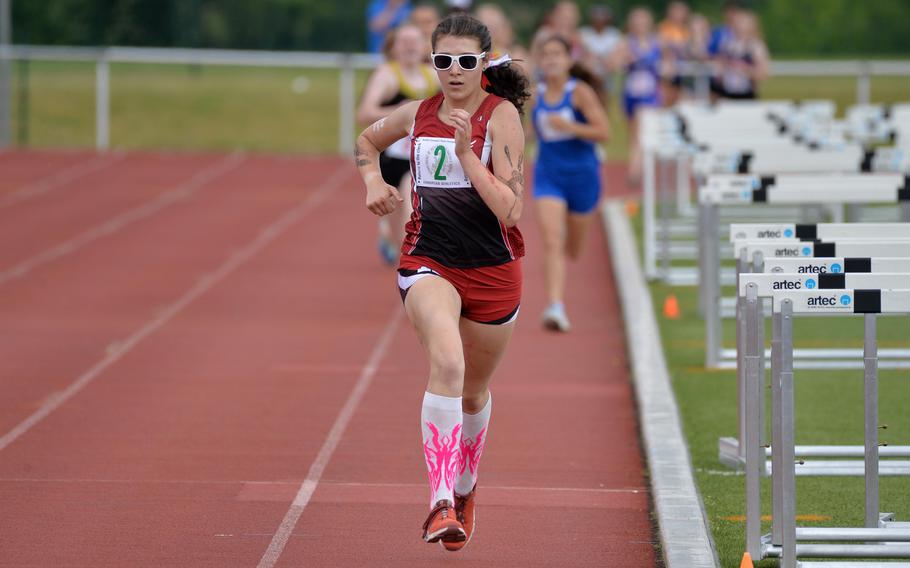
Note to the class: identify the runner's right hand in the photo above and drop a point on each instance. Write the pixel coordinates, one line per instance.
(382, 198)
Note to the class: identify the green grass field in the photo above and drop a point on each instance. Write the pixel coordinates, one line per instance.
(258, 109)
(828, 410)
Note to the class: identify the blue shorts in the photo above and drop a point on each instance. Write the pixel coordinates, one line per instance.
(632, 103)
(580, 190)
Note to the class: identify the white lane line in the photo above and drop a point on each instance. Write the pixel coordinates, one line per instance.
(266, 235)
(308, 487)
(182, 191)
(60, 179)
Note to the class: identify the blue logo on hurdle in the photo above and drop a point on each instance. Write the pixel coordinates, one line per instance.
(810, 284)
(845, 300)
(788, 233)
(806, 251)
(835, 268)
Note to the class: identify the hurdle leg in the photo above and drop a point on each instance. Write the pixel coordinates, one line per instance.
(776, 443)
(663, 184)
(709, 280)
(870, 369)
(854, 212)
(649, 215)
(750, 443)
(787, 471)
(758, 265)
(701, 218)
(760, 344)
(701, 246)
(742, 337)
(836, 213)
(683, 195)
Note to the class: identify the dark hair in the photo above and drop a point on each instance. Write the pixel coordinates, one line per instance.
(577, 70)
(504, 80)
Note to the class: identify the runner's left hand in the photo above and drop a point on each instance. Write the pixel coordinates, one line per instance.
(462, 121)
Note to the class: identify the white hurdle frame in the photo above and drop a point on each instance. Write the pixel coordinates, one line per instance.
(773, 147)
(822, 270)
(881, 537)
(787, 189)
(752, 255)
(751, 453)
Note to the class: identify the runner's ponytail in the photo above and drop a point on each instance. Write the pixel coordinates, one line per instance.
(507, 82)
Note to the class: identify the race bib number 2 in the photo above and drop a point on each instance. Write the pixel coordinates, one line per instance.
(436, 165)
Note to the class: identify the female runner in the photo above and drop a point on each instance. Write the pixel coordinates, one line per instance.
(640, 54)
(569, 122)
(459, 273)
(404, 77)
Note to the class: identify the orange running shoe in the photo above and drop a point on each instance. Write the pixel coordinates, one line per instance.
(442, 525)
(464, 512)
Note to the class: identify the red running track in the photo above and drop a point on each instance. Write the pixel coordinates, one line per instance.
(189, 342)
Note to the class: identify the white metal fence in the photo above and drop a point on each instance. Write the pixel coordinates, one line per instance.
(346, 64)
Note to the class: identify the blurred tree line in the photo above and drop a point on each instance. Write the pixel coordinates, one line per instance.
(796, 28)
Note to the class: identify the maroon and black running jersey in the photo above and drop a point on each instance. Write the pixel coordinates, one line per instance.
(451, 223)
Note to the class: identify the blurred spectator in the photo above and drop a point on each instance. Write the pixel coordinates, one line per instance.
(426, 17)
(563, 21)
(699, 36)
(403, 78)
(696, 51)
(503, 35)
(673, 33)
(723, 32)
(599, 39)
(640, 55)
(382, 17)
(742, 60)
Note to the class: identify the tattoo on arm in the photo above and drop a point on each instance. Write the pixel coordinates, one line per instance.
(359, 158)
(516, 181)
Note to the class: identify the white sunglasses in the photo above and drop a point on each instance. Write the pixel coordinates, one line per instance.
(467, 61)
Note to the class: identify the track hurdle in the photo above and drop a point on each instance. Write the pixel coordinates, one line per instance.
(792, 189)
(836, 265)
(879, 123)
(733, 452)
(807, 232)
(828, 358)
(795, 273)
(671, 137)
(752, 452)
(779, 159)
(881, 537)
(758, 160)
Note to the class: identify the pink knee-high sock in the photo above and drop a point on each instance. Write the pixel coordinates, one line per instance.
(473, 437)
(441, 425)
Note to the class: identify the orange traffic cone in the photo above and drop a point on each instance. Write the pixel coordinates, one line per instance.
(747, 561)
(671, 307)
